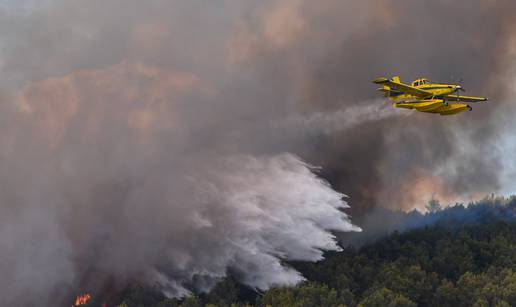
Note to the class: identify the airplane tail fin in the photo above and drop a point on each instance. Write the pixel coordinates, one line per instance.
(385, 89)
(388, 92)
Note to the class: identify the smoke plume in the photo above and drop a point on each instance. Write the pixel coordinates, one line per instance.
(164, 141)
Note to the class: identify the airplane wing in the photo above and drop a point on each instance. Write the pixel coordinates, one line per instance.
(463, 98)
(402, 87)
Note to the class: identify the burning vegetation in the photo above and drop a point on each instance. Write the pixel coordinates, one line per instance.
(82, 300)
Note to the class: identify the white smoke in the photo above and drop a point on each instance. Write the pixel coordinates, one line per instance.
(340, 120)
(129, 173)
(158, 140)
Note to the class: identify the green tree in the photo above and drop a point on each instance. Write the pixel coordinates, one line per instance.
(410, 281)
(305, 295)
(192, 301)
(447, 295)
(386, 298)
(224, 293)
(433, 206)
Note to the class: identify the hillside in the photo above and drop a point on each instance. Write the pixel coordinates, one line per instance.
(460, 256)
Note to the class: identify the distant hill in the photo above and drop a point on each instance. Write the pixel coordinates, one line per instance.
(382, 221)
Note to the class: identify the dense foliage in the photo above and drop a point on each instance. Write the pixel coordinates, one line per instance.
(450, 263)
(382, 221)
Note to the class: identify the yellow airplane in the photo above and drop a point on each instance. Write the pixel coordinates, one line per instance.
(424, 96)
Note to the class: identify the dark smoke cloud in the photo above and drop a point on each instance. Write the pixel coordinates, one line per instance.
(147, 140)
(441, 40)
(110, 175)
(326, 54)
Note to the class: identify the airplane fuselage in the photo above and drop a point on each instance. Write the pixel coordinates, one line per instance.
(438, 90)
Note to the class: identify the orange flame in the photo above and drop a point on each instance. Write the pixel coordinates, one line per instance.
(82, 300)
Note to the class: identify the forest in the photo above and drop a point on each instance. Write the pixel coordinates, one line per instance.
(457, 256)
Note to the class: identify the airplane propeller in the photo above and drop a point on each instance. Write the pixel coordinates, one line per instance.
(459, 87)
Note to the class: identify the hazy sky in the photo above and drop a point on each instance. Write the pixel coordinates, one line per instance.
(176, 141)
